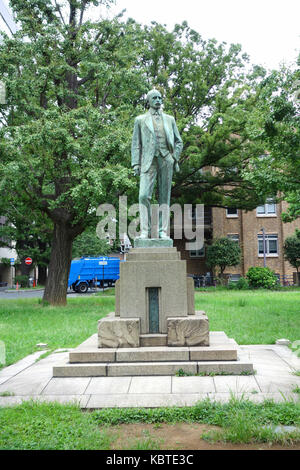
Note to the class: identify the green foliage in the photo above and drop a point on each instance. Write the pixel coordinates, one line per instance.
(241, 284)
(292, 250)
(88, 244)
(26, 322)
(39, 426)
(259, 277)
(251, 316)
(206, 411)
(50, 426)
(222, 253)
(5, 261)
(278, 126)
(22, 279)
(74, 88)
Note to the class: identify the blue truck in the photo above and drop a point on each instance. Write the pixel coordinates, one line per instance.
(93, 272)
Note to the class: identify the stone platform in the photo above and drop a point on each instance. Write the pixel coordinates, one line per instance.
(88, 360)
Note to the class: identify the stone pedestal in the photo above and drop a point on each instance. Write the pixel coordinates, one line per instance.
(191, 331)
(119, 333)
(153, 268)
(154, 293)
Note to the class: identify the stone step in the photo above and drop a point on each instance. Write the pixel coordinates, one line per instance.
(151, 368)
(155, 354)
(153, 340)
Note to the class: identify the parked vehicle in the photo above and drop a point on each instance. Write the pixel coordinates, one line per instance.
(93, 272)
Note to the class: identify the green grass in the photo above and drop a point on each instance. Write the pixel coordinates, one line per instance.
(252, 317)
(33, 425)
(26, 322)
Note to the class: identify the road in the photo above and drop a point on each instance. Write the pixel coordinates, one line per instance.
(35, 294)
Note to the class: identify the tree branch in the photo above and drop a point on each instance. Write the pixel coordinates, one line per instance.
(60, 13)
(83, 5)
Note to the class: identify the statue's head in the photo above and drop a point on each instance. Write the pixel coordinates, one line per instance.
(154, 99)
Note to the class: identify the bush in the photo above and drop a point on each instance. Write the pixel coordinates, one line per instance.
(242, 283)
(23, 280)
(261, 277)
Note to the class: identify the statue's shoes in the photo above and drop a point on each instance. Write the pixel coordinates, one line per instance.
(144, 235)
(164, 236)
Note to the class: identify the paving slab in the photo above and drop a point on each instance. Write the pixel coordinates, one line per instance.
(27, 382)
(239, 384)
(150, 384)
(278, 384)
(21, 365)
(140, 400)
(193, 385)
(66, 386)
(108, 385)
(274, 380)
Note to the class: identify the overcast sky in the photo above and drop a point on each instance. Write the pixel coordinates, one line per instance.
(269, 30)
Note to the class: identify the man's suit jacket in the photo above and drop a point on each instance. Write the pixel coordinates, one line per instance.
(144, 140)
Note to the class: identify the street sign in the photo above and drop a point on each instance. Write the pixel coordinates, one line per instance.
(28, 261)
(12, 261)
(102, 263)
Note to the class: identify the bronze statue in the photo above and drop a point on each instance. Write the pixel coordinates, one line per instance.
(156, 148)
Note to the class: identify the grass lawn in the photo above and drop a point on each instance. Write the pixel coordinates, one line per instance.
(55, 426)
(26, 322)
(250, 317)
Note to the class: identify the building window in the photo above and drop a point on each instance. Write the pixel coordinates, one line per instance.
(234, 277)
(271, 245)
(267, 210)
(234, 237)
(231, 212)
(197, 253)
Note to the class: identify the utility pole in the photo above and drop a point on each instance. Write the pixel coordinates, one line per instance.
(264, 245)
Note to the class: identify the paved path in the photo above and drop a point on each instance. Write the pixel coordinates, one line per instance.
(274, 379)
(38, 293)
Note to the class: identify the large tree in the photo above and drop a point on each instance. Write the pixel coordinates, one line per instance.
(277, 170)
(292, 251)
(213, 93)
(74, 87)
(222, 253)
(72, 90)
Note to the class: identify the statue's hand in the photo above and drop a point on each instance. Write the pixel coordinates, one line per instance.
(176, 167)
(137, 170)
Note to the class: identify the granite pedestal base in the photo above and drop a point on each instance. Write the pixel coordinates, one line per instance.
(221, 357)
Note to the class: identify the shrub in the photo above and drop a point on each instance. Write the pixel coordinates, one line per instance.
(261, 277)
(23, 280)
(242, 283)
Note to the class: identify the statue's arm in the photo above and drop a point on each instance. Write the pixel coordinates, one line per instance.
(136, 144)
(178, 144)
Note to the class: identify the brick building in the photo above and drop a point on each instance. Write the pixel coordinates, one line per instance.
(246, 228)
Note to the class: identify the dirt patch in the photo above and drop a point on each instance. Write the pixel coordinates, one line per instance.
(183, 436)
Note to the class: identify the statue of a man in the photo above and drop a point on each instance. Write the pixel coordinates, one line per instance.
(156, 148)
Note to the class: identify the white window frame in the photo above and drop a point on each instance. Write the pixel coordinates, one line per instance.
(232, 216)
(268, 238)
(266, 212)
(235, 237)
(198, 253)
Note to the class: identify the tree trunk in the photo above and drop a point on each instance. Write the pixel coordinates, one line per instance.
(60, 260)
